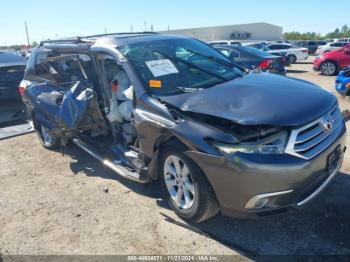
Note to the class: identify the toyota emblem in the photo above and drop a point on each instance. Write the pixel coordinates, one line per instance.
(328, 122)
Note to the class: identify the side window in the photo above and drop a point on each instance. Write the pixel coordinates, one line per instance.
(63, 68)
(235, 54)
(225, 52)
(273, 47)
(285, 46)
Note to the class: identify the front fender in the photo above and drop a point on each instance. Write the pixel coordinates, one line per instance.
(195, 136)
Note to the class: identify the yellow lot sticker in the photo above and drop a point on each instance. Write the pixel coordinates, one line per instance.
(155, 83)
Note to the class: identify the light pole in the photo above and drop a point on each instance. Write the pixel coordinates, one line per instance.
(25, 24)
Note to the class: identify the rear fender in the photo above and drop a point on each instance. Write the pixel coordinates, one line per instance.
(40, 118)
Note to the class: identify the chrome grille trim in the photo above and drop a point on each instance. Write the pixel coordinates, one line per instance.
(312, 139)
(322, 186)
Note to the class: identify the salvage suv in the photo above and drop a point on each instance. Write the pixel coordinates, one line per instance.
(171, 108)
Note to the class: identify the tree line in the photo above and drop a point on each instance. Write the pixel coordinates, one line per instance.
(18, 47)
(344, 32)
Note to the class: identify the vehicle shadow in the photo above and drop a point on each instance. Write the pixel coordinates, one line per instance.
(304, 63)
(83, 162)
(320, 228)
(293, 71)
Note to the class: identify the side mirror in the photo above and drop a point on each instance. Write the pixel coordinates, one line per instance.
(232, 58)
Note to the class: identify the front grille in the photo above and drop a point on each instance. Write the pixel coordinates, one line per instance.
(310, 140)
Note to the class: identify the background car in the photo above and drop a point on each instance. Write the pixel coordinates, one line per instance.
(331, 62)
(224, 42)
(329, 47)
(253, 58)
(258, 45)
(311, 45)
(342, 82)
(347, 40)
(292, 53)
(12, 68)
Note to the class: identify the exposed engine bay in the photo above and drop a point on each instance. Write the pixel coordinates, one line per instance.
(243, 133)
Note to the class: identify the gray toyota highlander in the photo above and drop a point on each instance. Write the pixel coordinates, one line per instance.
(171, 108)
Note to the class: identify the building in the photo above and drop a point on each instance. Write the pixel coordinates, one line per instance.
(242, 32)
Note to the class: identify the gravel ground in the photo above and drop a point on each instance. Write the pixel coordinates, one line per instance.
(54, 204)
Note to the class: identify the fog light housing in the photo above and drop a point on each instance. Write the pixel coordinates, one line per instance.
(260, 201)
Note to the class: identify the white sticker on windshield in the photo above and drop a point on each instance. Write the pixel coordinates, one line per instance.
(161, 67)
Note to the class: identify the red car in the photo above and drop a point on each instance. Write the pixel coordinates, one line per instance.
(332, 62)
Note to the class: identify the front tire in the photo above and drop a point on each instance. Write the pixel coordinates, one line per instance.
(185, 187)
(328, 68)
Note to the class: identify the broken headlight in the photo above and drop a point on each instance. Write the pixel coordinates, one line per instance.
(274, 144)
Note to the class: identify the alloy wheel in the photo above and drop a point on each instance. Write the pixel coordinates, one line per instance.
(292, 59)
(48, 138)
(328, 68)
(179, 182)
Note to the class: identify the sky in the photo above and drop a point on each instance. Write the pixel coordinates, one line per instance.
(63, 18)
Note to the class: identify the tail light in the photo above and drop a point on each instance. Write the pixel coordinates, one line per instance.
(304, 51)
(22, 86)
(265, 64)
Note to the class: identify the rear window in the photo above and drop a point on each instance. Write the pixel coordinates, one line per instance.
(7, 57)
(10, 74)
(62, 68)
(338, 44)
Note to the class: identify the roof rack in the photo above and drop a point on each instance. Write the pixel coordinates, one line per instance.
(123, 33)
(85, 39)
(73, 40)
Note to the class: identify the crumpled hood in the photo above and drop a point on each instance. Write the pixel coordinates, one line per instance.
(259, 99)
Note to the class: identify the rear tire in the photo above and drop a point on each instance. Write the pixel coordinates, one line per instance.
(46, 137)
(291, 59)
(328, 68)
(185, 187)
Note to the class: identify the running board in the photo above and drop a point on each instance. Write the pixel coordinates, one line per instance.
(120, 170)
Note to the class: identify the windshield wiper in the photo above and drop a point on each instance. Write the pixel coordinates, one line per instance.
(189, 89)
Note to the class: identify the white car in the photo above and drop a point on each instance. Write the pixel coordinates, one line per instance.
(329, 47)
(347, 40)
(290, 52)
(225, 42)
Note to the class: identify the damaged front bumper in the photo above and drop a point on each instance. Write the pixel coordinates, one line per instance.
(252, 185)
